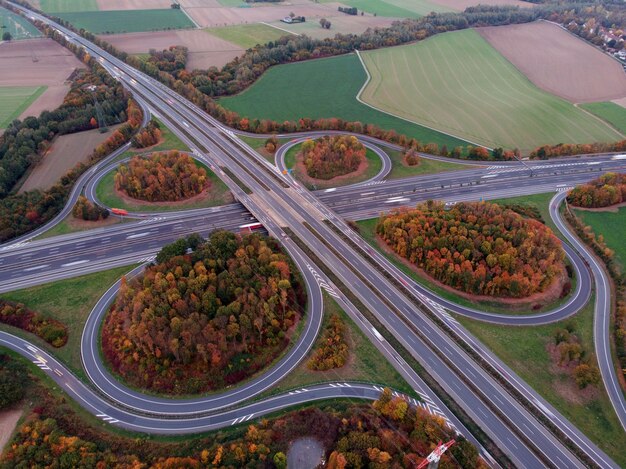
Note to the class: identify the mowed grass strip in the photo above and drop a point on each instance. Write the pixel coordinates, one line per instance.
(248, 35)
(322, 88)
(14, 100)
(457, 83)
(128, 21)
(612, 113)
(64, 6)
(396, 8)
(18, 26)
(611, 225)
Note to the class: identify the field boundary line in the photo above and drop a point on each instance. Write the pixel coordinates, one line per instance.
(605, 122)
(358, 98)
(196, 25)
(279, 28)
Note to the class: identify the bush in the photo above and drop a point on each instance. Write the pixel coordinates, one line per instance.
(87, 210)
(333, 351)
(148, 136)
(13, 381)
(17, 315)
(411, 157)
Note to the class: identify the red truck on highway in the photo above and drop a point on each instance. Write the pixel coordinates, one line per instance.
(119, 211)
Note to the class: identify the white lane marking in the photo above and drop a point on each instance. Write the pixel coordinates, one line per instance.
(488, 176)
(395, 200)
(58, 372)
(69, 264)
(138, 235)
(332, 189)
(39, 267)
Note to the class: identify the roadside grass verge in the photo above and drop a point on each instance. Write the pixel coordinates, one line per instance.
(326, 88)
(14, 100)
(69, 301)
(365, 364)
(611, 225)
(258, 144)
(71, 225)
(218, 194)
(248, 35)
(612, 113)
(128, 21)
(524, 350)
(426, 166)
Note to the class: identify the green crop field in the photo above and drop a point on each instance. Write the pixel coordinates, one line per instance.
(128, 21)
(248, 35)
(613, 113)
(14, 100)
(611, 225)
(322, 88)
(65, 6)
(18, 26)
(458, 83)
(396, 8)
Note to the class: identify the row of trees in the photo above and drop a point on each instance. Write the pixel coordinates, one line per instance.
(24, 212)
(359, 436)
(476, 248)
(17, 315)
(333, 351)
(25, 142)
(87, 210)
(331, 156)
(566, 149)
(166, 176)
(203, 320)
(608, 189)
(148, 136)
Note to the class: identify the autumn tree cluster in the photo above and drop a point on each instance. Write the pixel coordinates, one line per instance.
(148, 136)
(477, 248)
(571, 355)
(331, 156)
(17, 315)
(567, 149)
(163, 176)
(203, 320)
(333, 350)
(87, 210)
(608, 189)
(411, 157)
(359, 436)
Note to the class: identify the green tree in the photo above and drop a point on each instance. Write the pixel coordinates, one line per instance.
(280, 460)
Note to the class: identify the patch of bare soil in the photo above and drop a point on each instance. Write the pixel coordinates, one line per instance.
(66, 152)
(334, 182)
(461, 5)
(565, 386)
(558, 62)
(549, 295)
(205, 50)
(8, 422)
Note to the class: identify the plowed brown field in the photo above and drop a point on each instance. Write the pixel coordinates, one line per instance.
(558, 62)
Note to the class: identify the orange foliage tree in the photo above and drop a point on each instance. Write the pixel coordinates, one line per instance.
(330, 156)
(608, 189)
(477, 248)
(167, 176)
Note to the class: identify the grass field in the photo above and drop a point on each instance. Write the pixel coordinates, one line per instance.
(128, 21)
(14, 100)
(322, 88)
(426, 166)
(613, 113)
(611, 225)
(248, 35)
(70, 301)
(524, 350)
(232, 3)
(19, 27)
(396, 8)
(66, 6)
(457, 83)
(365, 362)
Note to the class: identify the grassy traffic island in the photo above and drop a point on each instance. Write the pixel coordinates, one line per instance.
(162, 181)
(201, 321)
(386, 432)
(478, 251)
(332, 161)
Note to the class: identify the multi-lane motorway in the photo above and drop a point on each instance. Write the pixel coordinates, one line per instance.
(280, 203)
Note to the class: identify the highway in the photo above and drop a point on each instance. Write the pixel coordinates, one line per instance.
(281, 202)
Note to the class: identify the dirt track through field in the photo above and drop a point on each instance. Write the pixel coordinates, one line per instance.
(558, 62)
(38, 62)
(205, 50)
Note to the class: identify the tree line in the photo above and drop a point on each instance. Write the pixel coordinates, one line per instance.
(161, 176)
(200, 321)
(385, 434)
(477, 248)
(609, 189)
(330, 156)
(17, 315)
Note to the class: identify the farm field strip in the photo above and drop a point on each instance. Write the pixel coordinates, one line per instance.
(65, 6)
(248, 35)
(457, 83)
(19, 27)
(14, 100)
(128, 21)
